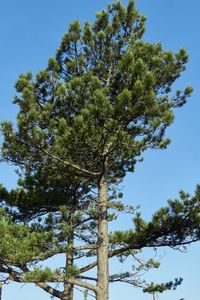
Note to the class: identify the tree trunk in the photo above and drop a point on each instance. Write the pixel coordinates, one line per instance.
(1, 285)
(68, 292)
(102, 252)
(154, 296)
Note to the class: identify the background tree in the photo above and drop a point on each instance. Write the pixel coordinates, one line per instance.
(103, 100)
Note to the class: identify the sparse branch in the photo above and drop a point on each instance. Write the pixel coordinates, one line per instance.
(133, 282)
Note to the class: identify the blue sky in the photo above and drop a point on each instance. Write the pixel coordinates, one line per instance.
(30, 32)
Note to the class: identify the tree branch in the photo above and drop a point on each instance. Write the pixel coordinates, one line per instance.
(16, 276)
(151, 245)
(49, 289)
(67, 163)
(88, 267)
(86, 247)
(83, 284)
(85, 278)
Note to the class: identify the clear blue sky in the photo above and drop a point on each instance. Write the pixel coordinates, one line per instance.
(30, 32)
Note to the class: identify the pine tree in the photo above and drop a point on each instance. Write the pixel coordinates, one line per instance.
(83, 123)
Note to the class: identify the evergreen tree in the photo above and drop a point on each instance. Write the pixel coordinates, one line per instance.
(83, 123)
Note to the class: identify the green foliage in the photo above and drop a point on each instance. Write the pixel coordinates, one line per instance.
(173, 225)
(151, 288)
(39, 275)
(72, 271)
(21, 245)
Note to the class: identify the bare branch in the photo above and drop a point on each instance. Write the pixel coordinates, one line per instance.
(88, 267)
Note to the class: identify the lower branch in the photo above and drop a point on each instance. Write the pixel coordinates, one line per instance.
(88, 267)
(83, 284)
(49, 289)
(16, 276)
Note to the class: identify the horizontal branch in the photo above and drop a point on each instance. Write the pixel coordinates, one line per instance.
(135, 283)
(135, 247)
(83, 284)
(86, 247)
(50, 290)
(68, 163)
(16, 276)
(85, 278)
(150, 245)
(88, 267)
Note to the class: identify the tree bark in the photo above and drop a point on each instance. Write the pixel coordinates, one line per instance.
(102, 251)
(68, 292)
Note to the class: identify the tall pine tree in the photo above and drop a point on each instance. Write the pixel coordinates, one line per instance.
(83, 123)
